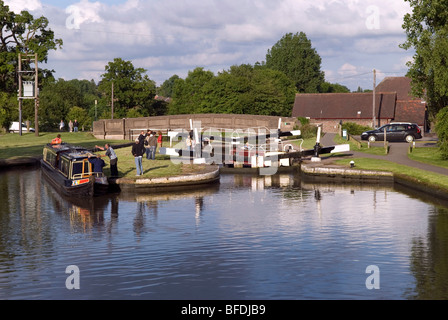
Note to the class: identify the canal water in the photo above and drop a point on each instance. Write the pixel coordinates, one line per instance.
(269, 238)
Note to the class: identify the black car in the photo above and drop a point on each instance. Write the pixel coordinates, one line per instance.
(402, 131)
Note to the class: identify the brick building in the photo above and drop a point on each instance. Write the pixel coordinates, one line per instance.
(393, 103)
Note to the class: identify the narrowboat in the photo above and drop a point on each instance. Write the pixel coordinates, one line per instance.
(70, 171)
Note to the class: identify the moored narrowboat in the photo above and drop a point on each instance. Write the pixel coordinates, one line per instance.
(69, 169)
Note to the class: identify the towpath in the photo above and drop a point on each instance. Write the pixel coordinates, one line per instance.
(398, 153)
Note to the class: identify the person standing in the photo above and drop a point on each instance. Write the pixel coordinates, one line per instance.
(61, 125)
(75, 126)
(189, 143)
(152, 143)
(159, 139)
(112, 157)
(97, 163)
(70, 126)
(138, 149)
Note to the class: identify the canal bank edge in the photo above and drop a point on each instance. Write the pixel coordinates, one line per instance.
(329, 172)
(211, 175)
(316, 171)
(19, 162)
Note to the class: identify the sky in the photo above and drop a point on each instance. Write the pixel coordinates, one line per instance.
(168, 37)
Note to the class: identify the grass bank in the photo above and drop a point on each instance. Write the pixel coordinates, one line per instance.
(421, 177)
(12, 145)
(429, 155)
(162, 166)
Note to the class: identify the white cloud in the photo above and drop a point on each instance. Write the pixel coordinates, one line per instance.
(19, 5)
(82, 12)
(177, 35)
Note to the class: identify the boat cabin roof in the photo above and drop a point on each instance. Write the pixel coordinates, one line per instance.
(70, 152)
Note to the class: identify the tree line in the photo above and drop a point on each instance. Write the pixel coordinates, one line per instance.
(268, 88)
(291, 66)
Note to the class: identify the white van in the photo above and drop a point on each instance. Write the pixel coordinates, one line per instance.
(15, 128)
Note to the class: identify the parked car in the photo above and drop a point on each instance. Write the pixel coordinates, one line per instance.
(15, 127)
(395, 131)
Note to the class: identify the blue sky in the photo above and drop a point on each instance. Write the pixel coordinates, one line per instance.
(168, 37)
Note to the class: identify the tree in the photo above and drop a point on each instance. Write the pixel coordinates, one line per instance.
(327, 87)
(57, 98)
(80, 114)
(8, 107)
(442, 132)
(188, 94)
(22, 33)
(427, 33)
(243, 89)
(166, 89)
(294, 55)
(132, 88)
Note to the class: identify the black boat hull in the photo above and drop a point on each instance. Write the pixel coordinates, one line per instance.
(59, 182)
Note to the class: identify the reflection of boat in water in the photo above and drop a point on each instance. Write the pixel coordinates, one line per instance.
(69, 171)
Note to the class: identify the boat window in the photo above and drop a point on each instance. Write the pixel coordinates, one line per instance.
(51, 159)
(65, 166)
(77, 168)
(87, 167)
(81, 169)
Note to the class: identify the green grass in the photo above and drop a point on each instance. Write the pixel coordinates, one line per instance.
(160, 167)
(430, 155)
(419, 176)
(307, 143)
(12, 145)
(364, 146)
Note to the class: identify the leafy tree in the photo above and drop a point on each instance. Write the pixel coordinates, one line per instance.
(8, 109)
(442, 132)
(166, 89)
(188, 94)
(22, 33)
(327, 87)
(81, 115)
(243, 89)
(294, 55)
(132, 88)
(57, 99)
(427, 32)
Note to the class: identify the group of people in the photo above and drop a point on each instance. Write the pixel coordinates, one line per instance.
(151, 140)
(72, 126)
(97, 162)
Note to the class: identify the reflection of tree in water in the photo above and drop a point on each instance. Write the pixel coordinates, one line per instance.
(429, 260)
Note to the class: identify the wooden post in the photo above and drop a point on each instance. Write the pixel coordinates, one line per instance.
(374, 102)
(20, 94)
(385, 141)
(36, 97)
(112, 102)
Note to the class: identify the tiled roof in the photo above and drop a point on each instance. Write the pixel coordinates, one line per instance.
(400, 85)
(410, 111)
(344, 105)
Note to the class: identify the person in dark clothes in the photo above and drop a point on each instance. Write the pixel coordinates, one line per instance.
(97, 163)
(113, 159)
(138, 149)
